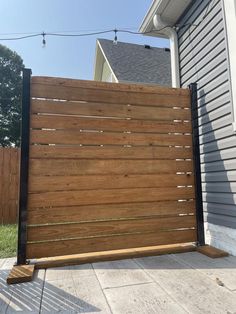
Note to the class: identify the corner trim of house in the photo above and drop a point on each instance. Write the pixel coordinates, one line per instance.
(117, 81)
(229, 9)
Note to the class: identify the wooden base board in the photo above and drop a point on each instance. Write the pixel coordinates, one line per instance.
(111, 255)
(211, 251)
(20, 273)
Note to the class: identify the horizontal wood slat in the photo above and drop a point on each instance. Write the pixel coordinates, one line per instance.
(102, 124)
(112, 255)
(107, 138)
(121, 87)
(86, 152)
(57, 248)
(109, 211)
(86, 197)
(83, 166)
(107, 228)
(85, 93)
(108, 110)
(66, 183)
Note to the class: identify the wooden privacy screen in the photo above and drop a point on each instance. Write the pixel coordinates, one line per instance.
(110, 167)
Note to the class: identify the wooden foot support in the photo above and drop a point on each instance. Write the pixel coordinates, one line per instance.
(78, 259)
(211, 251)
(20, 273)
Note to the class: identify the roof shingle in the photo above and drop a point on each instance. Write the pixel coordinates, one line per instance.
(135, 63)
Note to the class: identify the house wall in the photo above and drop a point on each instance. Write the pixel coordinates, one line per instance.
(107, 75)
(204, 59)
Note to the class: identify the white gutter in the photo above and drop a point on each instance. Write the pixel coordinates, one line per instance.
(170, 32)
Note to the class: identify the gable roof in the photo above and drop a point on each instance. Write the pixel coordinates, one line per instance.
(135, 63)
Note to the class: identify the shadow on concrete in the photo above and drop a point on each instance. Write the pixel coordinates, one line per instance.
(27, 297)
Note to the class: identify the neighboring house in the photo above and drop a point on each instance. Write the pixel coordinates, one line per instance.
(131, 63)
(203, 50)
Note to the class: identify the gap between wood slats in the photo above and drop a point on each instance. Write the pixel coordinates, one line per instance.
(57, 248)
(108, 211)
(104, 228)
(39, 121)
(70, 137)
(140, 88)
(86, 152)
(86, 182)
(87, 197)
(82, 166)
(108, 110)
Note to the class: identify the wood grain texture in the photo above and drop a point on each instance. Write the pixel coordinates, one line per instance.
(102, 152)
(58, 248)
(109, 211)
(72, 137)
(9, 184)
(54, 91)
(109, 110)
(211, 251)
(110, 227)
(47, 121)
(101, 256)
(86, 182)
(20, 273)
(86, 197)
(83, 166)
(136, 88)
(111, 165)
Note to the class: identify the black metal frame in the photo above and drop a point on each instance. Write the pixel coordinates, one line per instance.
(197, 165)
(24, 169)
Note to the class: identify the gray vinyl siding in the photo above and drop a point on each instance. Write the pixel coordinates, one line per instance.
(204, 59)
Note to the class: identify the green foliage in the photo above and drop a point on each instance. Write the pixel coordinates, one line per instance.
(8, 240)
(11, 66)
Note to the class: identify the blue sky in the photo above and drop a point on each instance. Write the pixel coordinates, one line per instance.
(69, 57)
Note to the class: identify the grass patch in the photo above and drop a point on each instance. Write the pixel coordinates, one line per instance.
(8, 240)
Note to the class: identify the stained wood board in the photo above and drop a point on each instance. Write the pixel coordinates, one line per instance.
(20, 273)
(78, 259)
(211, 251)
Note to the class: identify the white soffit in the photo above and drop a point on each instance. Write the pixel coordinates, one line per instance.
(169, 10)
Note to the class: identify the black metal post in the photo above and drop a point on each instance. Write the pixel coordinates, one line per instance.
(24, 166)
(197, 165)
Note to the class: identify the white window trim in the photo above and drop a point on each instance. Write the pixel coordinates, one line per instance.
(230, 25)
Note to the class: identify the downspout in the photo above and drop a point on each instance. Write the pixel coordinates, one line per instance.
(159, 24)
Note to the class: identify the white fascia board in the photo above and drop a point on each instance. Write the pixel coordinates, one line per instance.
(230, 25)
(96, 63)
(169, 10)
(156, 7)
(107, 62)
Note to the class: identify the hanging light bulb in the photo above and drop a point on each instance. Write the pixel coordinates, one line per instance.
(44, 40)
(115, 41)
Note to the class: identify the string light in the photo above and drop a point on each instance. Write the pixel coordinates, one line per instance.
(115, 38)
(44, 40)
(153, 31)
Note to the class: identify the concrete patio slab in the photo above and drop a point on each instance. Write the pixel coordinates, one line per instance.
(223, 269)
(179, 283)
(120, 273)
(142, 298)
(190, 288)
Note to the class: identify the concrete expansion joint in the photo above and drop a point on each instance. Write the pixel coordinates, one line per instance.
(132, 284)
